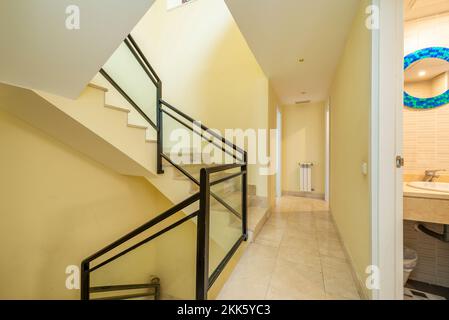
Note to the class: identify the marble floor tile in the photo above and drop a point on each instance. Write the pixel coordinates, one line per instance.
(243, 290)
(271, 233)
(293, 281)
(297, 255)
(280, 222)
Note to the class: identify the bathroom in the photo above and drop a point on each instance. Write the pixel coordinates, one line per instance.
(426, 150)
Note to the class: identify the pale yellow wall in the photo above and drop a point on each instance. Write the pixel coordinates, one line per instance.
(350, 103)
(273, 107)
(207, 68)
(58, 206)
(303, 140)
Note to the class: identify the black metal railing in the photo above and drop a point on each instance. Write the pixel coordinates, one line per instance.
(202, 131)
(122, 292)
(204, 279)
(86, 266)
(134, 240)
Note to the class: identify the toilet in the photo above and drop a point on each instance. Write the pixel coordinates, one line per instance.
(410, 261)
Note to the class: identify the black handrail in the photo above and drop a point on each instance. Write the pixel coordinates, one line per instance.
(222, 167)
(128, 98)
(123, 287)
(201, 135)
(146, 240)
(184, 172)
(195, 181)
(203, 127)
(144, 227)
(232, 176)
(148, 64)
(154, 284)
(141, 62)
(85, 268)
(127, 297)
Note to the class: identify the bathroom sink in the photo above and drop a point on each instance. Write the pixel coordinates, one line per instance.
(432, 186)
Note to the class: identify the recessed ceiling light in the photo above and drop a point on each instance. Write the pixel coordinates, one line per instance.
(422, 73)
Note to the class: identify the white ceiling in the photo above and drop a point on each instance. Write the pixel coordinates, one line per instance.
(281, 32)
(38, 52)
(416, 9)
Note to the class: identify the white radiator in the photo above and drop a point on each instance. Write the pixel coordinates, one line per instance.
(305, 177)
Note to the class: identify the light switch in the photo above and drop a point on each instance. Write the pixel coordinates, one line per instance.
(365, 168)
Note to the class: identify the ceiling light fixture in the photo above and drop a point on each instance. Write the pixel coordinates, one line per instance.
(301, 60)
(422, 73)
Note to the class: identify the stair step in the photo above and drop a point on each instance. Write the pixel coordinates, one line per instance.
(257, 216)
(182, 178)
(96, 86)
(137, 126)
(123, 109)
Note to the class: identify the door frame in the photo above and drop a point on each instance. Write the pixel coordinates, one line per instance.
(327, 111)
(278, 153)
(386, 143)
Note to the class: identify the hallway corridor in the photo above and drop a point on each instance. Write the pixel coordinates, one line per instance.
(296, 256)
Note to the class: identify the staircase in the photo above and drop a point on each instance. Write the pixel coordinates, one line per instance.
(211, 195)
(121, 120)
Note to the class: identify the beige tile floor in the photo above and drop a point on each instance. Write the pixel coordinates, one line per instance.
(296, 256)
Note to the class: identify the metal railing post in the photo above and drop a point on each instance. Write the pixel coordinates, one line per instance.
(160, 129)
(245, 197)
(202, 247)
(85, 279)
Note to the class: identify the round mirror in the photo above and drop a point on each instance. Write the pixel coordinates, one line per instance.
(426, 78)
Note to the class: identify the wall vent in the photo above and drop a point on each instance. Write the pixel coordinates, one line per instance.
(303, 102)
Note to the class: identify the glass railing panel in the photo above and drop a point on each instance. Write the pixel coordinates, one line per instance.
(225, 227)
(124, 68)
(169, 260)
(228, 193)
(179, 146)
(178, 141)
(191, 148)
(226, 149)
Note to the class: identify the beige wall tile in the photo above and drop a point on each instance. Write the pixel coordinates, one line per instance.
(426, 132)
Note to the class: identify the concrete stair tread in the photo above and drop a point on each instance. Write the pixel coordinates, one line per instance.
(117, 108)
(99, 87)
(137, 126)
(114, 100)
(256, 215)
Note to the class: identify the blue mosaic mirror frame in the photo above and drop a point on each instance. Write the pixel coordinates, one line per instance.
(426, 103)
